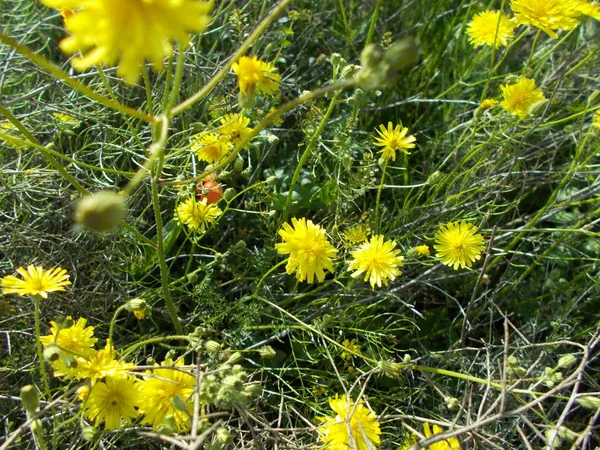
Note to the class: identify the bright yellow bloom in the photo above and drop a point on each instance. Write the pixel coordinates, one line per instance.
(448, 444)
(587, 8)
(393, 139)
(197, 215)
(77, 340)
(482, 29)
(350, 345)
(36, 281)
(488, 103)
(111, 401)
(310, 251)
(128, 31)
(458, 245)
(422, 250)
(351, 428)
(547, 15)
(521, 96)
(377, 260)
(235, 128)
(102, 364)
(256, 75)
(596, 119)
(210, 147)
(159, 389)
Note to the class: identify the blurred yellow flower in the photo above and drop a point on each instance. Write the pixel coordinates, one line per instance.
(458, 244)
(488, 103)
(197, 215)
(521, 96)
(128, 31)
(547, 15)
(422, 250)
(256, 75)
(352, 347)
(310, 251)
(393, 139)
(113, 400)
(235, 128)
(448, 444)
(492, 28)
(159, 389)
(353, 427)
(587, 8)
(36, 281)
(378, 260)
(596, 119)
(210, 147)
(355, 234)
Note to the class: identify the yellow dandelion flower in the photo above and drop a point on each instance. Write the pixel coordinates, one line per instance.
(235, 128)
(448, 444)
(458, 244)
(393, 139)
(113, 400)
(159, 389)
(128, 31)
(355, 234)
(83, 392)
(36, 281)
(353, 427)
(140, 313)
(492, 28)
(596, 119)
(256, 75)
(76, 340)
(210, 147)
(102, 364)
(352, 347)
(488, 103)
(547, 15)
(521, 96)
(587, 8)
(422, 250)
(378, 260)
(197, 215)
(310, 251)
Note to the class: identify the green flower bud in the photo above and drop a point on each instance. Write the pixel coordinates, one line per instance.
(402, 54)
(566, 361)
(212, 346)
(179, 404)
(390, 368)
(589, 402)
(223, 436)
(30, 398)
(136, 304)
(51, 353)
(69, 361)
(238, 164)
(229, 194)
(235, 358)
(101, 211)
(90, 434)
(452, 403)
(594, 98)
(266, 352)
(233, 382)
(168, 427)
(371, 56)
(36, 426)
(253, 390)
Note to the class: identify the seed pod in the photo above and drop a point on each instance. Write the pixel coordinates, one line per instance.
(101, 211)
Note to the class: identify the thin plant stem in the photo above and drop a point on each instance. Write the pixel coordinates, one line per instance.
(38, 345)
(378, 199)
(113, 322)
(373, 22)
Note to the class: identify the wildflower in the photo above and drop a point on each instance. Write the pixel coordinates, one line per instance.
(352, 347)
(492, 28)
(587, 8)
(65, 120)
(83, 392)
(310, 251)
(355, 234)
(393, 139)
(36, 281)
(76, 340)
(197, 215)
(354, 426)
(448, 444)
(520, 97)
(377, 260)
(102, 364)
(158, 391)
(458, 245)
(210, 148)
(235, 128)
(111, 401)
(596, 119)
(128, 30)
(422, 250)
(487, 104)
(547, 15)
(256, 75)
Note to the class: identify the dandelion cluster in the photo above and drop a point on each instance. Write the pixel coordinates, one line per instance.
(128, 31)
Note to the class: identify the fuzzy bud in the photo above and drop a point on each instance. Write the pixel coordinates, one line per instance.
(589, 402)
(253, 390)
(136, 304)
(229, 194)
(390, 368)
(30, 398)
(36, 426)
(90, 434)
(267, 352)
(101, 211)
(223, 436)
(566, 361)
(235, 358)
(212, 346)
(51, 353)
(451, 403)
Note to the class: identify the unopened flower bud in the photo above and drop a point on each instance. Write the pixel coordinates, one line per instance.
(51, 353)
(406, 359)
(451, 403)
(90, 434)
(247, 99)
(36, 426)
(594, 98)
(229, 194)
(69, 362)
(30, 398)
(267, 352)
(223, 436)
(235, 358)
(253, 390)
(101, 211)
(589, 402)
(136, 304)
(566, 361)
(390, 368)
(212, 346)
(402, 54)
(371, 56)
(238, 164)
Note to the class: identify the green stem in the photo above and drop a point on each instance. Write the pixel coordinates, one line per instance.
(257, 33)
(373, 22)
(307, 152)
(164, 272)
(64, 76)
(155, 340)
(177, 81)
(533, 45)
(38, 344)
(113, 322)
(385, 164)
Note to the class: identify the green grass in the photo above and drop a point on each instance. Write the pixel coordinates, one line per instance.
(530, 186)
